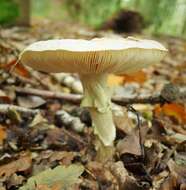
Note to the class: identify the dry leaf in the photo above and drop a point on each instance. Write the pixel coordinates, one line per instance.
(130, 144)
(138, 77)
(125, 181)
(3, 134)
(22, 164)
(17, 68)
(176, 179)
(63, 176)
(30, 101)
(4, 98)
(174, 110)
(122, 120)
(114, 80)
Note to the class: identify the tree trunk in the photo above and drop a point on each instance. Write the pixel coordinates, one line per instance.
(25, 12)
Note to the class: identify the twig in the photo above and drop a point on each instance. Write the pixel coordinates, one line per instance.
(168, 94)
(5, 108)
(49, 94)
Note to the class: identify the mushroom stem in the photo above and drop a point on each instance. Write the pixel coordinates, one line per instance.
(97, 98)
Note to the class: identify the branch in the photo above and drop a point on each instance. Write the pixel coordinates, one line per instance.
(169, 93)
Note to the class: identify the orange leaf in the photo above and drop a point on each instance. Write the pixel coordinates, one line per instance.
(4, 98)
(17, 68)
(174, 110)
(139, 77)
(114, 80)
(3, 134)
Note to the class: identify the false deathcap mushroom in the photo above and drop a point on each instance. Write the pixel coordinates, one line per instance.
(94, 60)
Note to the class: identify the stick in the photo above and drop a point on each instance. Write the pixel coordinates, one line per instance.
(168, 94)
(49, 94)
(5, 108)
(77, 98)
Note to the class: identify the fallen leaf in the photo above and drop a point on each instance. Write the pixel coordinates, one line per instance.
(64, 157)
(15, 180)
(172, 110)
(3, 134)
(114, 80)
(60, 175)
(138, 77)
(22, 164)
(122, 120)
(100, 173)
(30, 101)
(4, 98)
(38, 120)
(129, 144)
(125, 181)
(177, 177)
(17, 68)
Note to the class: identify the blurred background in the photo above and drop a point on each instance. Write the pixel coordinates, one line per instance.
(165, 17)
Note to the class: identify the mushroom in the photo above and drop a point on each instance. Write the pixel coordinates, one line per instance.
(94, 60)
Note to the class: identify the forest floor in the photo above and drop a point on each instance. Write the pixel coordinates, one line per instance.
(46, 139)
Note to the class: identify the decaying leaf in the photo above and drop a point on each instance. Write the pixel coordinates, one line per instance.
(174, 110)
(3, 134)
(101, 174)
(17, 68)
(130, 144)
(37, 120)
(61, 175)
(138, 77)
(122, 120)
(30, 101)
(4, 98)
(125, 181)
(177, 177)
(22, 164)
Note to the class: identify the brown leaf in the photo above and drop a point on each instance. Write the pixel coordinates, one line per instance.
(177, 178)
(15, 180)
(138, 77)
(17, 68)
(122, 120)
(100, 173)
(22, 164)
(125, 181)
(129, 144)
(3, 134)
(4, 98)
(172, 110)
(63, 156)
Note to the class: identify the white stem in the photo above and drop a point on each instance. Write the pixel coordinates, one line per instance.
(97, 97)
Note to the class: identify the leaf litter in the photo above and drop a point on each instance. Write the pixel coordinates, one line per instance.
(48, 143)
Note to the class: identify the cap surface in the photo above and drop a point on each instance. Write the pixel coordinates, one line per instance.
(117, 55)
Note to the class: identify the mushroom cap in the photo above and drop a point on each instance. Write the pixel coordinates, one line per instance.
(112, 55)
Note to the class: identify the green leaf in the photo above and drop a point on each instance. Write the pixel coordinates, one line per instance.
(61, 175)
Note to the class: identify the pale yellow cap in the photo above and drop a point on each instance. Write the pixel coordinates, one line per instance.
(117, 55)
